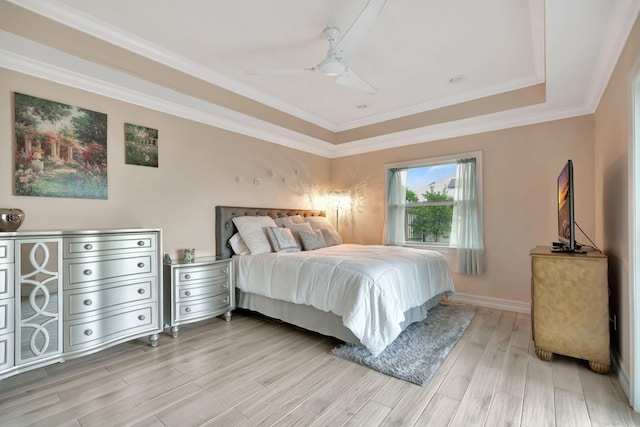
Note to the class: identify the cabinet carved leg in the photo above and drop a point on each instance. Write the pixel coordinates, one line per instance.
(544, 354)
(600, 368)
(153, 340)
(174, 331)
(227, 316)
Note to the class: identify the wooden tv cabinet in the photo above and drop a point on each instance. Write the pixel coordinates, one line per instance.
(570, 306)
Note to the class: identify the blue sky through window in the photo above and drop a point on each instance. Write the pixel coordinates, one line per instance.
(420, 177)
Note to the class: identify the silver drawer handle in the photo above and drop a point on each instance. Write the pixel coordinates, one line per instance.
(187, 276)
(225, 301)
(141, 291)
(141, 317)
(226, 286)
(88, 246)
(88, 302)
(88, 332)
(141, 264)
(188, 293)
(188, 310)
(141, 243)
(88, 272)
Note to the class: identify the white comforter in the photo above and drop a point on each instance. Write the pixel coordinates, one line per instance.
(370, 287)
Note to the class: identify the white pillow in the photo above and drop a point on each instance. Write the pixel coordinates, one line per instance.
(253, 232)
(238, 245)
(331, 237)
(322, 223)
(294, 219)
(282, 240)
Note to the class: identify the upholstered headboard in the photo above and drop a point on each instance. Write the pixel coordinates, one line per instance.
(225, 227)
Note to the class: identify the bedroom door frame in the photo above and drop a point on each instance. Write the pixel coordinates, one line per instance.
(634, 241)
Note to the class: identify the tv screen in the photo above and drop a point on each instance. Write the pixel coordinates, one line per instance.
(566, 220)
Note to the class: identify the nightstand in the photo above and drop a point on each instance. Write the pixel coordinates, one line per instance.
(197, 291)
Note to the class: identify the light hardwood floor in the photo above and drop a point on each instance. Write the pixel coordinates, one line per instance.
(253, 371)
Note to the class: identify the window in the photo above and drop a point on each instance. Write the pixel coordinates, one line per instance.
(437, 203)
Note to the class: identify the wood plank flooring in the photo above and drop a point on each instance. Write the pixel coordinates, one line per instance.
(255, 371)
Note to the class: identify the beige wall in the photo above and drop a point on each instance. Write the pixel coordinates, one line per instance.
(198, 165)
(520, 165)
(612, 139)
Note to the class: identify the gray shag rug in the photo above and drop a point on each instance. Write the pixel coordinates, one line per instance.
(420, 349)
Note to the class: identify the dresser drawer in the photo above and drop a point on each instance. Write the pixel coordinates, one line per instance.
(6, 316)
(79, 272)
(217, 287)
(105, 245)
(79, 302)
(6, 251)
(207, 306)
(6, 351)
(189, 275)
(78, 334)
(6, 281)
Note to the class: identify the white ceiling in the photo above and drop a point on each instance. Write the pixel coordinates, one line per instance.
(411, 53)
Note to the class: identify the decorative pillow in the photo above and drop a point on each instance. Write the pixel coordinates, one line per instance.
(282, 240)
(296, 229)
(312, 240)
(331, 237)
(238, 245)
(294, 219)
(252, 230)
(322, 223)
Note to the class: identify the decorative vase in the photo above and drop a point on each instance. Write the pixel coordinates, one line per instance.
(10, 219)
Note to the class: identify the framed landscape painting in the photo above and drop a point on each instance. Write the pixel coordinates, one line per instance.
(141, 145)
(61, 150)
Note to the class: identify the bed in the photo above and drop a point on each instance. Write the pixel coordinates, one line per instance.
(355, 293)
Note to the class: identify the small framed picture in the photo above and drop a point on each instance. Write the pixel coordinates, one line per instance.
(141, 145)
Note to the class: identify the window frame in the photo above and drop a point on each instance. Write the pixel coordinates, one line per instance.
(434, 161)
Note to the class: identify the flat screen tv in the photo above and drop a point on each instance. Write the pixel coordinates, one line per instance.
(566, 219)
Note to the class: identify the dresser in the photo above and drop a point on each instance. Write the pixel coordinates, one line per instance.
(197, 291)
(65, 294)
(570, 306)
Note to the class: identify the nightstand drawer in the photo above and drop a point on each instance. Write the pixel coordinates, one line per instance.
(136, 292)
(206, 289)
(188, 275)
(106, 328)
(80, 272)
(104, 245)
(6, 281)
(201, 307)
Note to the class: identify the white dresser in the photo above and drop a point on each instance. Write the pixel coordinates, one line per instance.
(67, 294)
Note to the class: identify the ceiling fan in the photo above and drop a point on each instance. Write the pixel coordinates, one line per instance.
(340, 54)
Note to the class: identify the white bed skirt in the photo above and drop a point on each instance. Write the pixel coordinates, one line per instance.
(312, 319)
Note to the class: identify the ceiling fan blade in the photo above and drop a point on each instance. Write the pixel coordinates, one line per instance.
(350, 43)
(350, 79)
(278, 71)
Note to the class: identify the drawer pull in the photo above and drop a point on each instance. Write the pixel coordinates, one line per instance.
(188, 310)
(88, 246)
(88, 302)
(187, 276)
(88, 332)
(188, 293)
(88, 272)
(141, 317)
(141, 264)
(141, 291)
(141, 243)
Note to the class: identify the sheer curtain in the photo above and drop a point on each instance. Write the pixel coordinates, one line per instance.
(466, 226)
(394, 225)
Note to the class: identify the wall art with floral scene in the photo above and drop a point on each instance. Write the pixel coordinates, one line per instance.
(61, 150)
(141, 145)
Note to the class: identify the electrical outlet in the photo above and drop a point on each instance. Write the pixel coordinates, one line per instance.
(614, 320)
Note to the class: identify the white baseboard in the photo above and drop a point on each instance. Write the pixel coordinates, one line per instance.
(497, 303)
(623, 376)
